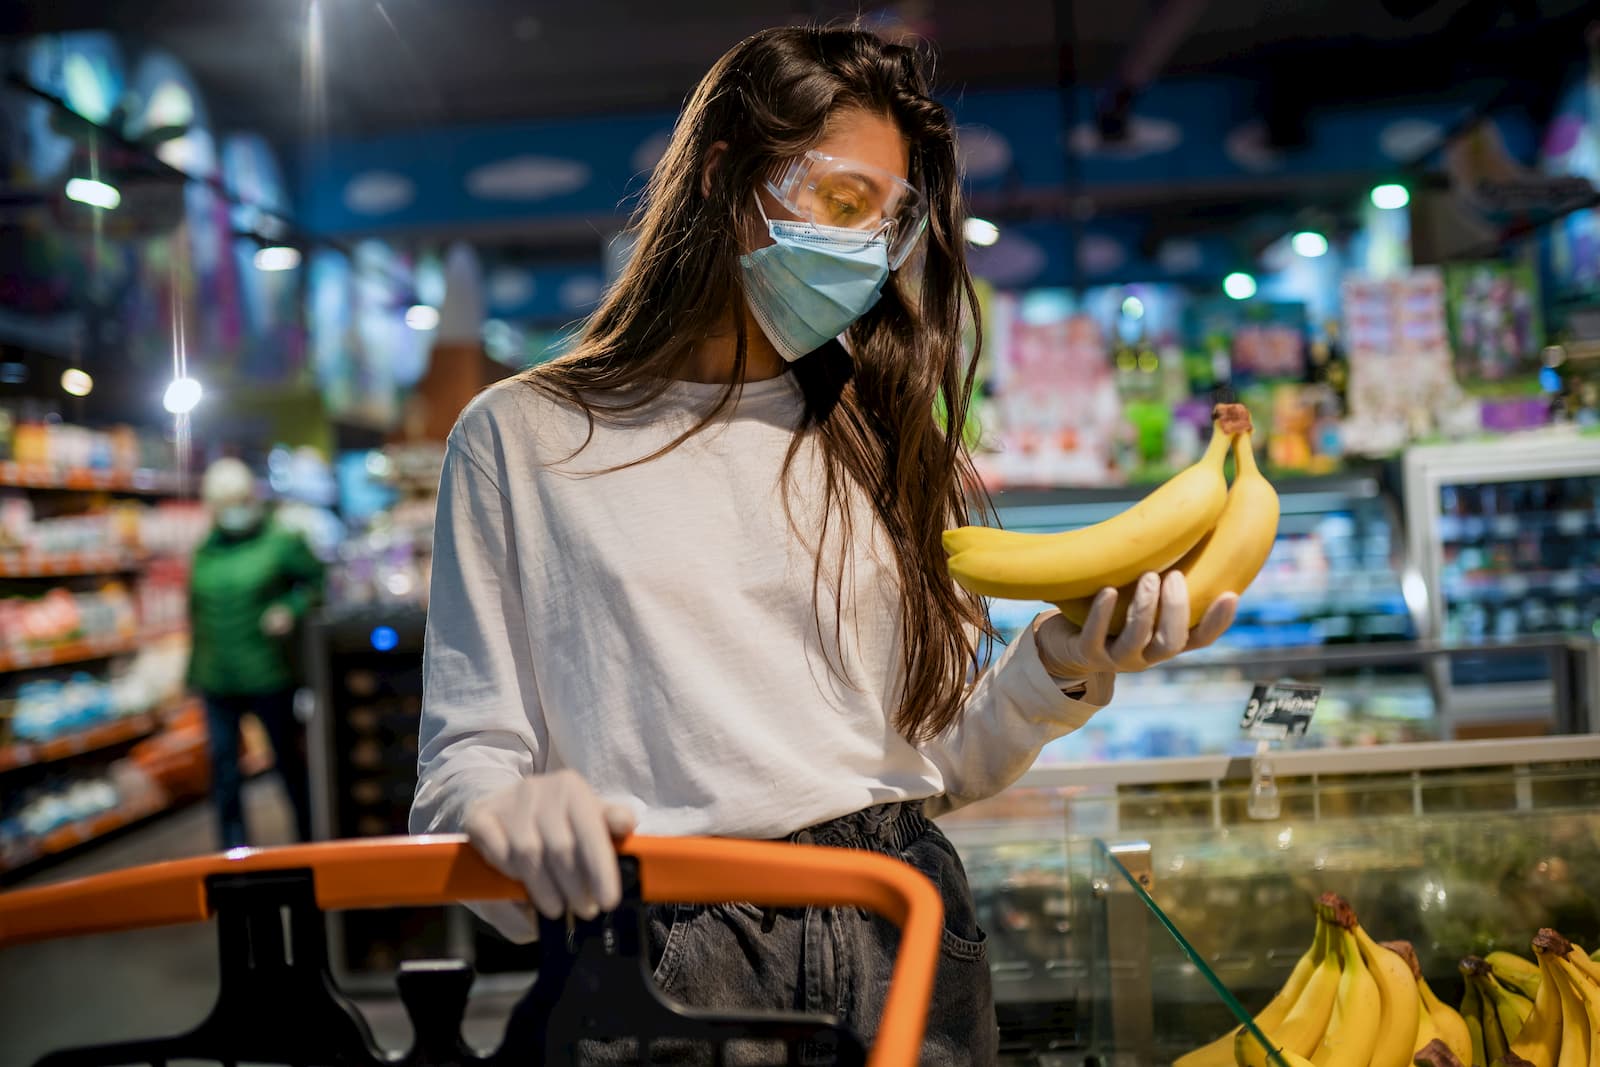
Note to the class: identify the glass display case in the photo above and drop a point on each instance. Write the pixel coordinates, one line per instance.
(1137, 912)
(1506, 539)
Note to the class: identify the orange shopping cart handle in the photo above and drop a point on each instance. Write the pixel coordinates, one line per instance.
(398, 872)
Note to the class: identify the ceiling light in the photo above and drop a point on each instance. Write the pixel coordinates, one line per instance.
(1239, 285)
(981, 232)
(1390, 196)
(277, 257)
(1309, 243)
(422, 317)
(76, 382)
(182, 396)
(94, 193)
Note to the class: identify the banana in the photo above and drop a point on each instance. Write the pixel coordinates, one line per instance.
(1220, 1052)
(1471, 1011)
(1451, 1027)
(1150, 536)
(1352, 1033)
(1495, 1042)
(1576, 1041)
(1397, 995)
(1510, 1009)
(1427, 1032)
(1584, 963)
(1516, 973)
(1228, 558)
(1427, 1029)
(1539, 1043)
(1303, 1025)
(1587, 995)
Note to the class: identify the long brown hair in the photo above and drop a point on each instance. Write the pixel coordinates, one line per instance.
(874, 410)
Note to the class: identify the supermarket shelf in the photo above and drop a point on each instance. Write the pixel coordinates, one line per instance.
(66, 564)
(63, 838)
(66, 838)
(153, 483)
(72, 652)
(29, 754)
(82, 651)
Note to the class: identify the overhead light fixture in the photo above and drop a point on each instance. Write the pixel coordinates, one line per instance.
(94, 193)
(1239, 285)
(277, 257)
(980, 232)
(422, 317)
(76, 382)
(1133, 308)
(1309, 243)
(182, 396)
(1390, 196)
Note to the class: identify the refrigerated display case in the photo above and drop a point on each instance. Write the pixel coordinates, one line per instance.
(1135, 911)
(1506, 539)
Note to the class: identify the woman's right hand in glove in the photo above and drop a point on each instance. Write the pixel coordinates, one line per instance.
(554, 834)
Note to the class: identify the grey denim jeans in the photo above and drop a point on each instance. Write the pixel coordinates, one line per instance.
(834, 961)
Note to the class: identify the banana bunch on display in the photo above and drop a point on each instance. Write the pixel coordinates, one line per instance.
(1218, 537)
(1526, 1014)
(1495, 1012)
(1349, 1002)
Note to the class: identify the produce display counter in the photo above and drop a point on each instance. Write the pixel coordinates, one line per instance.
(1136, 912)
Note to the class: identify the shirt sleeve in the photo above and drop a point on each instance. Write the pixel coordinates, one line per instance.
(1011, 712)
(482, 727)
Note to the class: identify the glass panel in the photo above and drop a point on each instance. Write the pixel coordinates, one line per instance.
(1457, 860)
(1235, 906)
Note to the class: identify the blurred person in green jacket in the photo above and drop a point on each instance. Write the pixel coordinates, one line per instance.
(251, 584)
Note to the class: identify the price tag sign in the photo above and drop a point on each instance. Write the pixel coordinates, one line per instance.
(1280, 710)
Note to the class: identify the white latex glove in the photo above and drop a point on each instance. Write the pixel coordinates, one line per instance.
(1157, 630)
(277, 621)
(552, 833)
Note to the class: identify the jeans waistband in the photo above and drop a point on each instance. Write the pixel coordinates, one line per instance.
(880, 828)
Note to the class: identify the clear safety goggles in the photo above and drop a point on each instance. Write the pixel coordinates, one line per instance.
(845, 195)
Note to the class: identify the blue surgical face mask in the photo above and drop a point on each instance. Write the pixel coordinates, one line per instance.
(812, 283)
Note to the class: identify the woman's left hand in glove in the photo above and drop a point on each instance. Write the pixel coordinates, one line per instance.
(1157, 629)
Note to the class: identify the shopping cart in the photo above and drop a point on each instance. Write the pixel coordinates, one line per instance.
(277, 1002)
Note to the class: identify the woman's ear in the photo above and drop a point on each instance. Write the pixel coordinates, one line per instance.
(713, 160)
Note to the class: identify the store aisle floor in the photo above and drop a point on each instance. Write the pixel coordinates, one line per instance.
(110, 987)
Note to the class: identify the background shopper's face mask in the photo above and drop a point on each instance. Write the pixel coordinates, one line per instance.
(827, 268)
(239, 518)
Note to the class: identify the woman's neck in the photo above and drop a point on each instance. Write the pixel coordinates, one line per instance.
(712, 360)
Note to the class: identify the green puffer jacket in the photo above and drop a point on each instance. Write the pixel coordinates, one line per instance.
(234, 581)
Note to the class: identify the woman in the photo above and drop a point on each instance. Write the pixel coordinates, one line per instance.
(689, 577)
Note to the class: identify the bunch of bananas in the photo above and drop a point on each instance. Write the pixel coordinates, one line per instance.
(1349, 1002)
(1523, 1013)
(1218, 537)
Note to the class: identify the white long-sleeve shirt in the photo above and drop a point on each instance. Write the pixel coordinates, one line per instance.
(655, 629)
